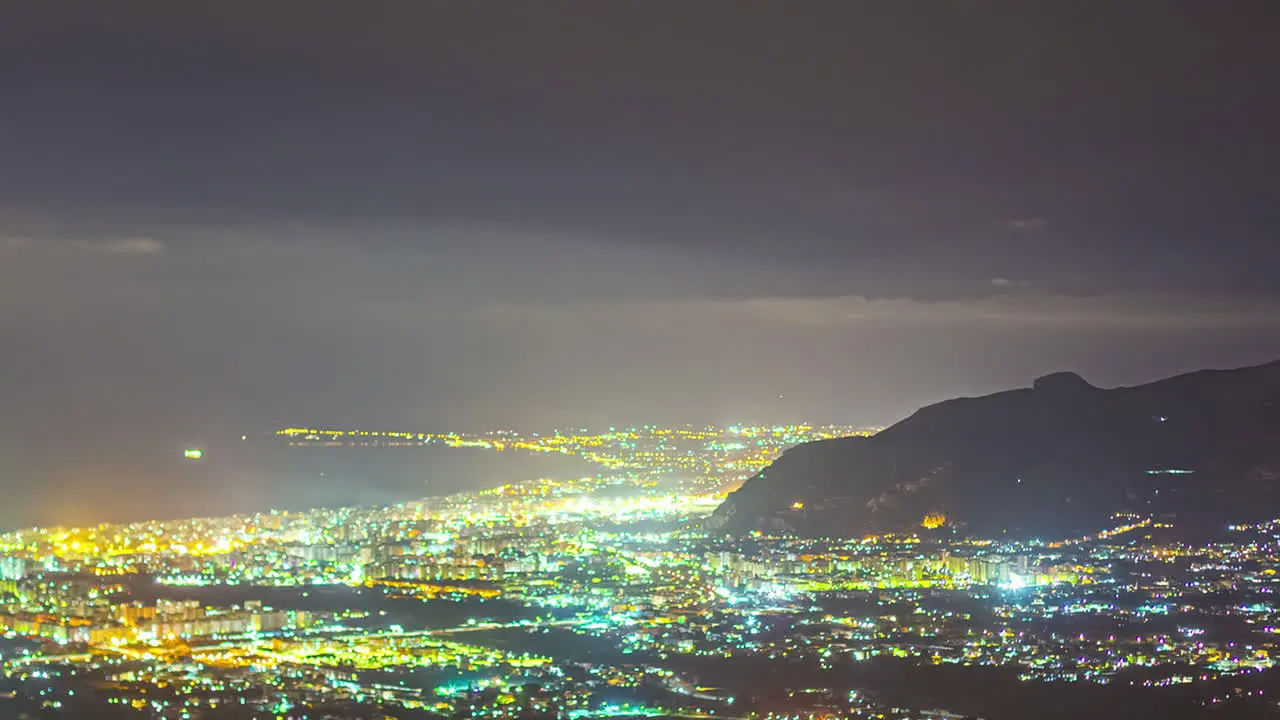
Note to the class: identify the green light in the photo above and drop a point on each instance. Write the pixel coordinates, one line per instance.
(193, 453)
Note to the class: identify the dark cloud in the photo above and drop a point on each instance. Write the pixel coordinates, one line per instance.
(227, 216)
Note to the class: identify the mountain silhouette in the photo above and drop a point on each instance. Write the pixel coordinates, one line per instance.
(1059, 457)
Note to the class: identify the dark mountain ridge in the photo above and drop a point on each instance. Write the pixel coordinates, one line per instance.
(1058, 457)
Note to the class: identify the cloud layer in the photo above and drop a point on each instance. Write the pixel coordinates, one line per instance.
(1037, 311)
(104, 246)
(121, 246)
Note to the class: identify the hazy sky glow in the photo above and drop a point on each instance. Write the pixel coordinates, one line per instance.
(222, 217)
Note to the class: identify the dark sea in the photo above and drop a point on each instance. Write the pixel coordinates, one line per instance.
(293, 478)
(258, 475)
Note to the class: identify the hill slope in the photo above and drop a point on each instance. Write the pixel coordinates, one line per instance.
(1054, 458)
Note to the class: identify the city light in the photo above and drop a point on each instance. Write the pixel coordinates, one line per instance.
(475, 584)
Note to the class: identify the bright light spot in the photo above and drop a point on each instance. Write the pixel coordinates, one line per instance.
(1016, 582)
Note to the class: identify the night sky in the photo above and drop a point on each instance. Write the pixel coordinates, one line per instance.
(218, 218)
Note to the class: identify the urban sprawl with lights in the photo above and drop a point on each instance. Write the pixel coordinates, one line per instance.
(603, 596)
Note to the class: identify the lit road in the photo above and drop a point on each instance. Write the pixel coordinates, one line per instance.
(142, 653)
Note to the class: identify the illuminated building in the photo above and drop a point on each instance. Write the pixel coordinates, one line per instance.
(12, 568)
